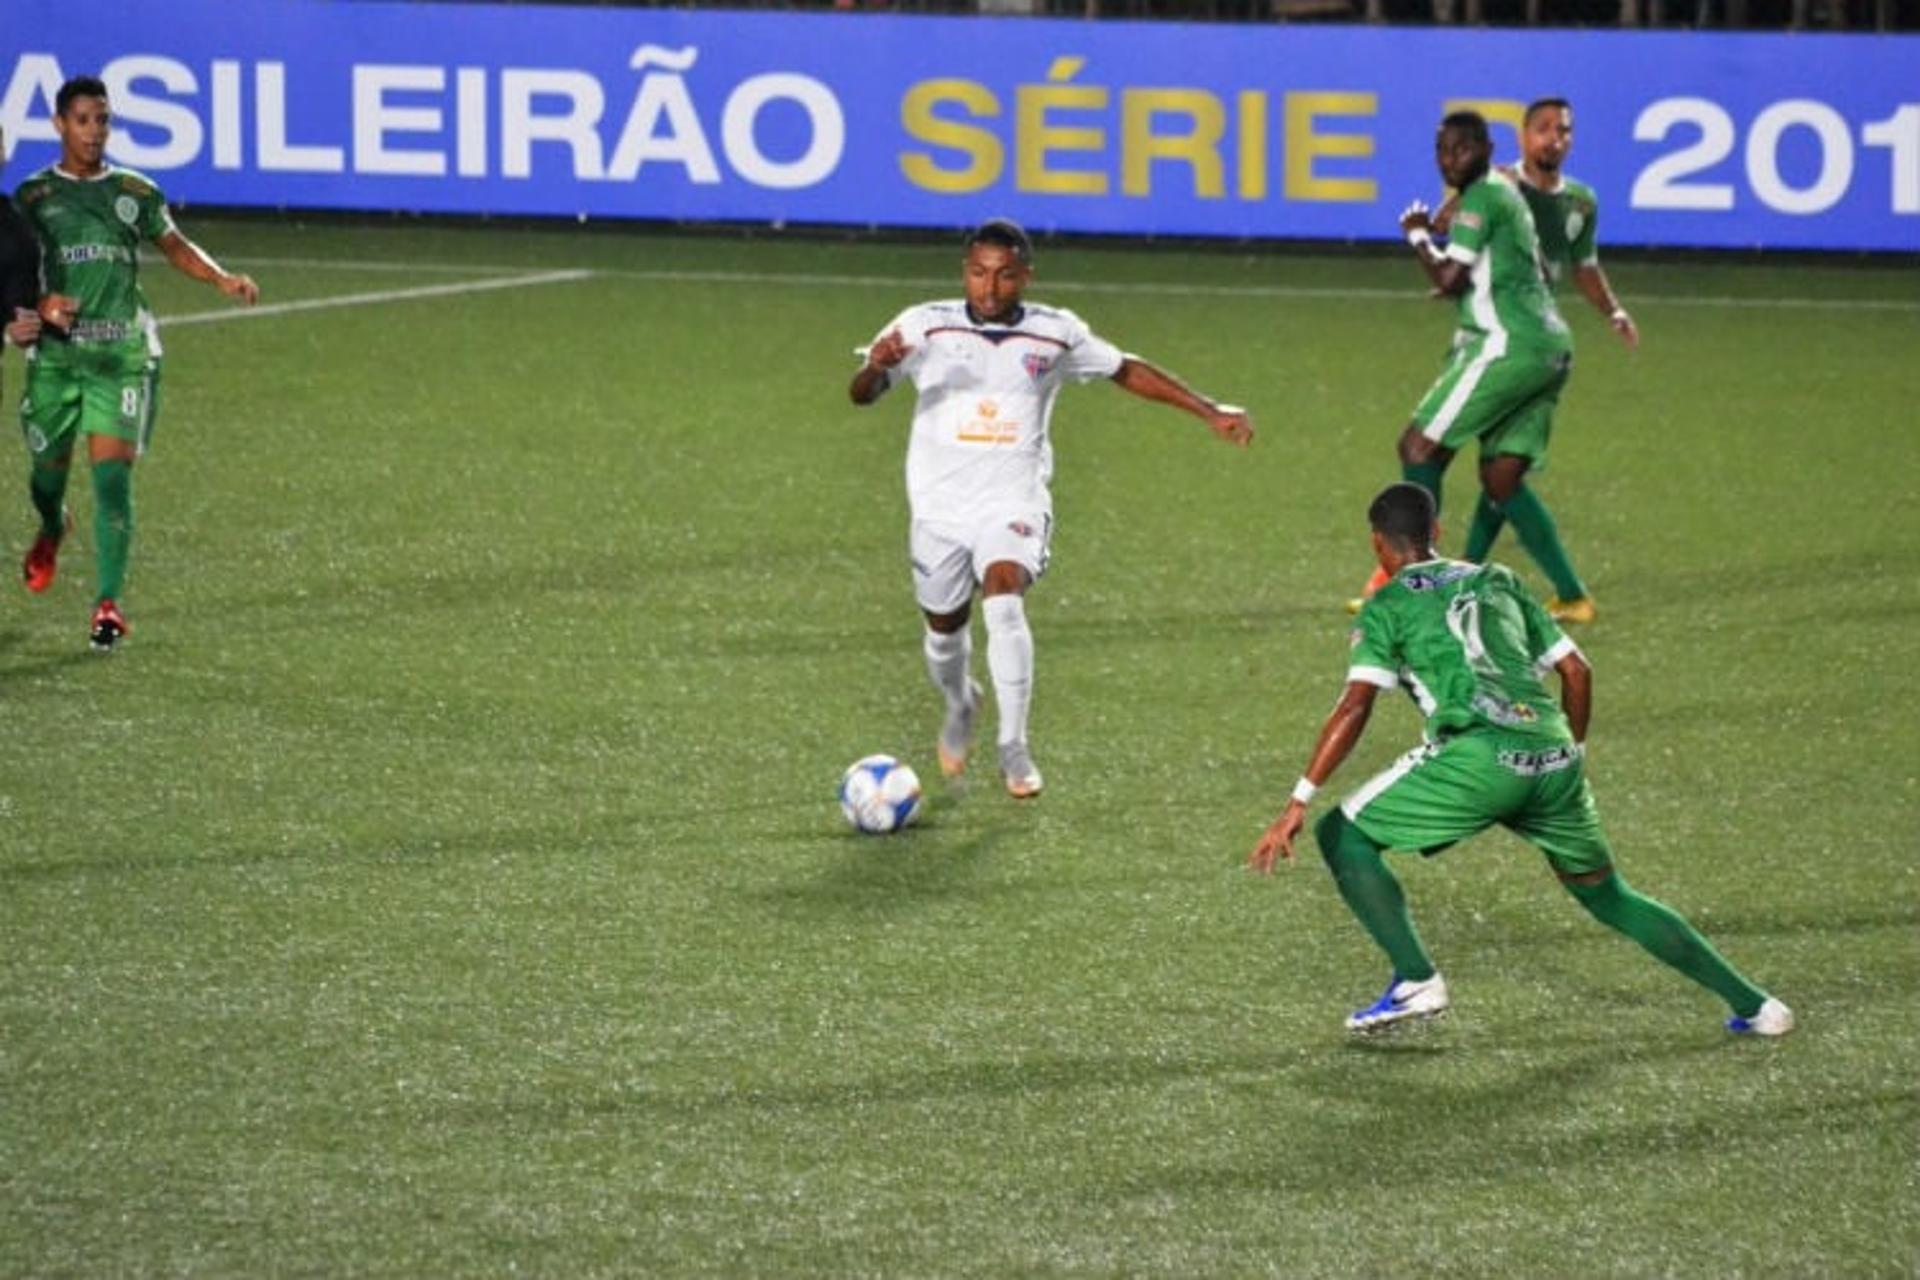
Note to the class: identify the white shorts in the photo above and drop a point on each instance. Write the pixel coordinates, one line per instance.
(949, 560)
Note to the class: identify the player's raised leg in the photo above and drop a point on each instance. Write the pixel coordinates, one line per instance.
(47, 486)
(50, 419)
(943, 586)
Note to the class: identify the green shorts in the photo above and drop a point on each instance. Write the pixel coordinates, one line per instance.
(67, 399)
(1442, 792)
(1504, 399)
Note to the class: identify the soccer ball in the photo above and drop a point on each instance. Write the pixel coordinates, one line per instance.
(879, 794)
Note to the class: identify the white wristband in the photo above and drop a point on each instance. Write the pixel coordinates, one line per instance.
(1619, 314)
(1304, 791)
(1419, 237)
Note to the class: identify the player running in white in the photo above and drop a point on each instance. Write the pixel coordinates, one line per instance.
(987, 368)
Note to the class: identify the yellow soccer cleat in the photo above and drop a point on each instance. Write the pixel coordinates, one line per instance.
(1580, 609)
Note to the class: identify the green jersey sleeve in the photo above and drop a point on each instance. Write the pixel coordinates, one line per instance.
(151, 218)
(1546, 642)
(1374, 656)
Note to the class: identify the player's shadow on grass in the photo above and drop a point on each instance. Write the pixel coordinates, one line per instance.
(1005, 1077)
(1402, 1140)
(14, 664)
(891, 874)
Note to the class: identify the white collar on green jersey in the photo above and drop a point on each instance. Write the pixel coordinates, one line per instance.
(106, 171)
(1520, 172)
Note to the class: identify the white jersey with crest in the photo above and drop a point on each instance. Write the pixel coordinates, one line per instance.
(985, 395)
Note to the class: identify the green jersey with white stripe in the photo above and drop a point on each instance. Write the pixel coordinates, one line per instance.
(1565, 220)
(1508, 300)
(1469, 643)
(90, 233)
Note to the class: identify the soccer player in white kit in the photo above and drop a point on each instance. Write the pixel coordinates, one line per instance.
(987, 368)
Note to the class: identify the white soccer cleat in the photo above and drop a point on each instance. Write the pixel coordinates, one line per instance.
(1401, 1001)
(956, 733)
(1023, 776)
(1774, 1019)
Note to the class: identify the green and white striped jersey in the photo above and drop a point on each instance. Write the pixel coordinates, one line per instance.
(1508, 301)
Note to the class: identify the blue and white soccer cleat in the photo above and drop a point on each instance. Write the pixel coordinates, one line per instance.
(1401, 1001)
(1773, 1019)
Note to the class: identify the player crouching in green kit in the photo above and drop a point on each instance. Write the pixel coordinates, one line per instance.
(96, 369)
(1472, 647)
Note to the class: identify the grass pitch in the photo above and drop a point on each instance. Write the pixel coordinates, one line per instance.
(445, 878)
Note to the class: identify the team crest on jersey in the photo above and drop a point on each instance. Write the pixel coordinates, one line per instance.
(127, 209)
(1036, 365)
(1021, 528)
(1576, 223)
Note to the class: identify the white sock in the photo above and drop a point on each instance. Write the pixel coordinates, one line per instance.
(1010, 659)
(948, 658)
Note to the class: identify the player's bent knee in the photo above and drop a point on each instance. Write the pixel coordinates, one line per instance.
(1005, 578)
(948, 623)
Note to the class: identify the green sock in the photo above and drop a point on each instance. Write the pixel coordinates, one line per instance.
(1541, 537)
(1488, 520)
(48, 485)
(1666, 934)
(1373, 894)
(1427, 475)
(112, 524)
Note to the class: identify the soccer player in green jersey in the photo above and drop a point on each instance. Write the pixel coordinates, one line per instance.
(1472, 647)
(96, 370)
(1512, 352)
(1566, 216)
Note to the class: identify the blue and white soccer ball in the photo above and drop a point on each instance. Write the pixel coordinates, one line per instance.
(879, 794)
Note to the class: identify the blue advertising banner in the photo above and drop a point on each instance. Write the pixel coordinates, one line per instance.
(1778, 141)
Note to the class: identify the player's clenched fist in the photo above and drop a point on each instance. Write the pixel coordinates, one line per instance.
(889, 351)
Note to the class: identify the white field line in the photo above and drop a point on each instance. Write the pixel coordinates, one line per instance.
(376, 298)
(1150, 288)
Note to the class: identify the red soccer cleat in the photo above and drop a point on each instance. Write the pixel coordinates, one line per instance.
(43, 557)
(109, 624)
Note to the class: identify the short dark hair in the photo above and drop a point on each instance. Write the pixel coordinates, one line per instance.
(1544, 104)
(1005, 233)
(78, 87)
(1471, 123)
(1403, 514)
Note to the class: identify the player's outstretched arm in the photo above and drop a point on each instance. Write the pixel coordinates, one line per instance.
(1592, 280)
(1338, 737)
(191, 260)
(1576, 693)
(1150, 382)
